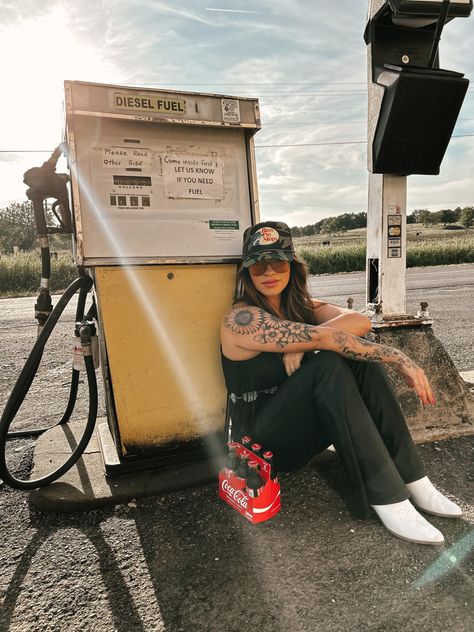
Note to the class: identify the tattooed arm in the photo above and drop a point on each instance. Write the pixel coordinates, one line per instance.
(329, 315)
(246, 330)
(350, 321)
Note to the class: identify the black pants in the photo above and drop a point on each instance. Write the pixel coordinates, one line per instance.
(331, 400)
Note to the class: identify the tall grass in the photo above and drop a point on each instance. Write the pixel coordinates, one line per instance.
(21, 274)
(351, 257)
(439, 253)
(331, 259)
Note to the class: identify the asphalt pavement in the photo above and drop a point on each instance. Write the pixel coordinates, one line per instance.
(185, 561)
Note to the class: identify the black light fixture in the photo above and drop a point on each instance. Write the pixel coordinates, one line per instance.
(421, 102)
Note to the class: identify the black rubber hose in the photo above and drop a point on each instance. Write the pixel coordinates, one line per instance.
(19, 392)
(45, 263)
(91, 313)
(35, 432)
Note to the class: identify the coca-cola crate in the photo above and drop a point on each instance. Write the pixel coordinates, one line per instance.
(258, 509)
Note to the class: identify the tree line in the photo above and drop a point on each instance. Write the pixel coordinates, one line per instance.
(349, 221)
(17, 224)
(18, 229)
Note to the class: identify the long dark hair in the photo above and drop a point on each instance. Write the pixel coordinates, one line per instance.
(296, 303)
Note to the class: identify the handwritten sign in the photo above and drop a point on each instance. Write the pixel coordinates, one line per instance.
(126, 158)
(192, 176)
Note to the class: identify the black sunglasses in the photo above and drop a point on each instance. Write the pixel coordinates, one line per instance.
(258, 269)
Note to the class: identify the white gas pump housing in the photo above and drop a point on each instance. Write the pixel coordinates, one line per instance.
(164, 185)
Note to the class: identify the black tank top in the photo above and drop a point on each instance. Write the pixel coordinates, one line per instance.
(249, 384)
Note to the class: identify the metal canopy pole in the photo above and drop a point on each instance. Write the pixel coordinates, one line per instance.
(386, 215)
(412, 110)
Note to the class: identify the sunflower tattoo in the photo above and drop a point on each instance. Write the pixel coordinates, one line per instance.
(250, 320)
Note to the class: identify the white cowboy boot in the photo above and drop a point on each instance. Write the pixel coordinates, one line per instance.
(403, 520)
(427, 498)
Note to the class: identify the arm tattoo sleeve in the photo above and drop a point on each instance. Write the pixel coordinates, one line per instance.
(266, 328)
(369, 351)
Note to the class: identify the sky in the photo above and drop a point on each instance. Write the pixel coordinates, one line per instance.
(304, 59)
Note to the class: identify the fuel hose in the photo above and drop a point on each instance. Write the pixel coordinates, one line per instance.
(83, 284)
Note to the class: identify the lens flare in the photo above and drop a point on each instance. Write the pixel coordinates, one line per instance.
(448, 561)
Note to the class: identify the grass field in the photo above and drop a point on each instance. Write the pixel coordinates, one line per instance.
(20, 274)
(425, 247)
(415, 232)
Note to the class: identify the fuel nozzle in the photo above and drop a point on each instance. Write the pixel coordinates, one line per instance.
(44, 182)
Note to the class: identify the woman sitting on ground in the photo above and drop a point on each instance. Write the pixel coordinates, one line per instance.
(297, 402)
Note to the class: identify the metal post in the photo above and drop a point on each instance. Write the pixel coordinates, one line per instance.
(386, 216)
(386, 243)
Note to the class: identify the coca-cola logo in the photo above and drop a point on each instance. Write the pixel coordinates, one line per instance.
(238, 495)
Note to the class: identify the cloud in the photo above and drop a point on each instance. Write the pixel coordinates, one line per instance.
(289, 51)
(231, 10)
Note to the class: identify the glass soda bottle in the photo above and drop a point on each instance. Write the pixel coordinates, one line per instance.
(254, 485)
(232, 460)
(268, 456)
(243, 469)
(246, 441)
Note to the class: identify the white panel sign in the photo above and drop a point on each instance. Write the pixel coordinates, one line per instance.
(193, 176)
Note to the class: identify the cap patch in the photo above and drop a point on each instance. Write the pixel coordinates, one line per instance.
(265, 236)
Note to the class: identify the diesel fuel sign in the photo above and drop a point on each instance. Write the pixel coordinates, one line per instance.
(147, 103)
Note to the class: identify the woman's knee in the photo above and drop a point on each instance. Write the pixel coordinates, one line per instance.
(373, 371)
(329, 363)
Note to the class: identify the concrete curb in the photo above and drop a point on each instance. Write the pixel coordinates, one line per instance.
(86, 487)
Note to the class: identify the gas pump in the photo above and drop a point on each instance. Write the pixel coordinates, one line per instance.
(163, 186)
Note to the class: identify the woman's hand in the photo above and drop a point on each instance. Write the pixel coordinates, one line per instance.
(292, 361)
(415, 378)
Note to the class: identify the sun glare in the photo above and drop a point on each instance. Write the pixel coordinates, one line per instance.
(41, 54)
(38, 55)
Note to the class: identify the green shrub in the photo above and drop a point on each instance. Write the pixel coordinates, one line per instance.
(440, 253)
(20, 274)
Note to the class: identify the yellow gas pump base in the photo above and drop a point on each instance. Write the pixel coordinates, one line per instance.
(159, 327)
(85, 486)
